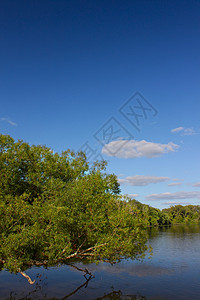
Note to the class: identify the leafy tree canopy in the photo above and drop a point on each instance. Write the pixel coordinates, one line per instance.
(55, 208)
(179, 214)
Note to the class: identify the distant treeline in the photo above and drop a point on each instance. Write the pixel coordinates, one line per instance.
(189, 214)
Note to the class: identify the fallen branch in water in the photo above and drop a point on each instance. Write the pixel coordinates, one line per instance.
(78, 254)
(85, 270)
(26, 276)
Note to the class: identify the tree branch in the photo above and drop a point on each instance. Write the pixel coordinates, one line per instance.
(77, 254)
(83, 253)
(27, 277)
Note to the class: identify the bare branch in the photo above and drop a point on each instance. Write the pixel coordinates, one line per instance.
(77, 254)
(27, 277)
(83, 253)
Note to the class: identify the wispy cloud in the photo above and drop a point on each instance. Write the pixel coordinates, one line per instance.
(136, 149)
(175, 183)
(178, 129)
(177, 179)
(142, 180)
(176, 203)
(197, 184)
(184, 131)
(174, 196)
(133, 196)
(189, 131)
(8, 121)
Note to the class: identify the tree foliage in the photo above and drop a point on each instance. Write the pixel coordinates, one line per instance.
(153, 216)
(178, 214)
(55, 208)
(188, 214)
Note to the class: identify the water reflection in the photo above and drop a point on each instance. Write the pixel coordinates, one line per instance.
(172, 273)
(176, 230)
(183, 230)
(114, 295)
(37, 291)
(85, 284)
(139, 269)
(117, 295)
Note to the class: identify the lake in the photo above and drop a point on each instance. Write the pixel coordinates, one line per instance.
(173, 272)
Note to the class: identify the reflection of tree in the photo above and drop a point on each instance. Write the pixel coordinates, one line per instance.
(85, 284)
(34, 294)
(117, 295)
(114, 295)
(41, 282)
(175, 230)
(184, 230)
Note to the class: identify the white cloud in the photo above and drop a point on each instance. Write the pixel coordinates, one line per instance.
(8, 121)
(189, 131)
(132, 195)
(184, 131)
(142, 180)
(175, 183)
(174, 196)
(178, 129)
(176, 203)
(135, 149)
(196, 184)
(177, 179)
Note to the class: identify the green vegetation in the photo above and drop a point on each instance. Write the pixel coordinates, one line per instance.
(154, 216)
(178, 214)
(54, 209)
(189, 214)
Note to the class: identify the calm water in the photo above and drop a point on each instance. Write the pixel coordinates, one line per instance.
(172, 273)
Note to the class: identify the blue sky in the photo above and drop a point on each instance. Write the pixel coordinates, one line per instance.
(120, 77)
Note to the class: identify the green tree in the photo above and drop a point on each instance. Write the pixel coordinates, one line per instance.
(179, 214)
(153, 216)
(54, 209)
